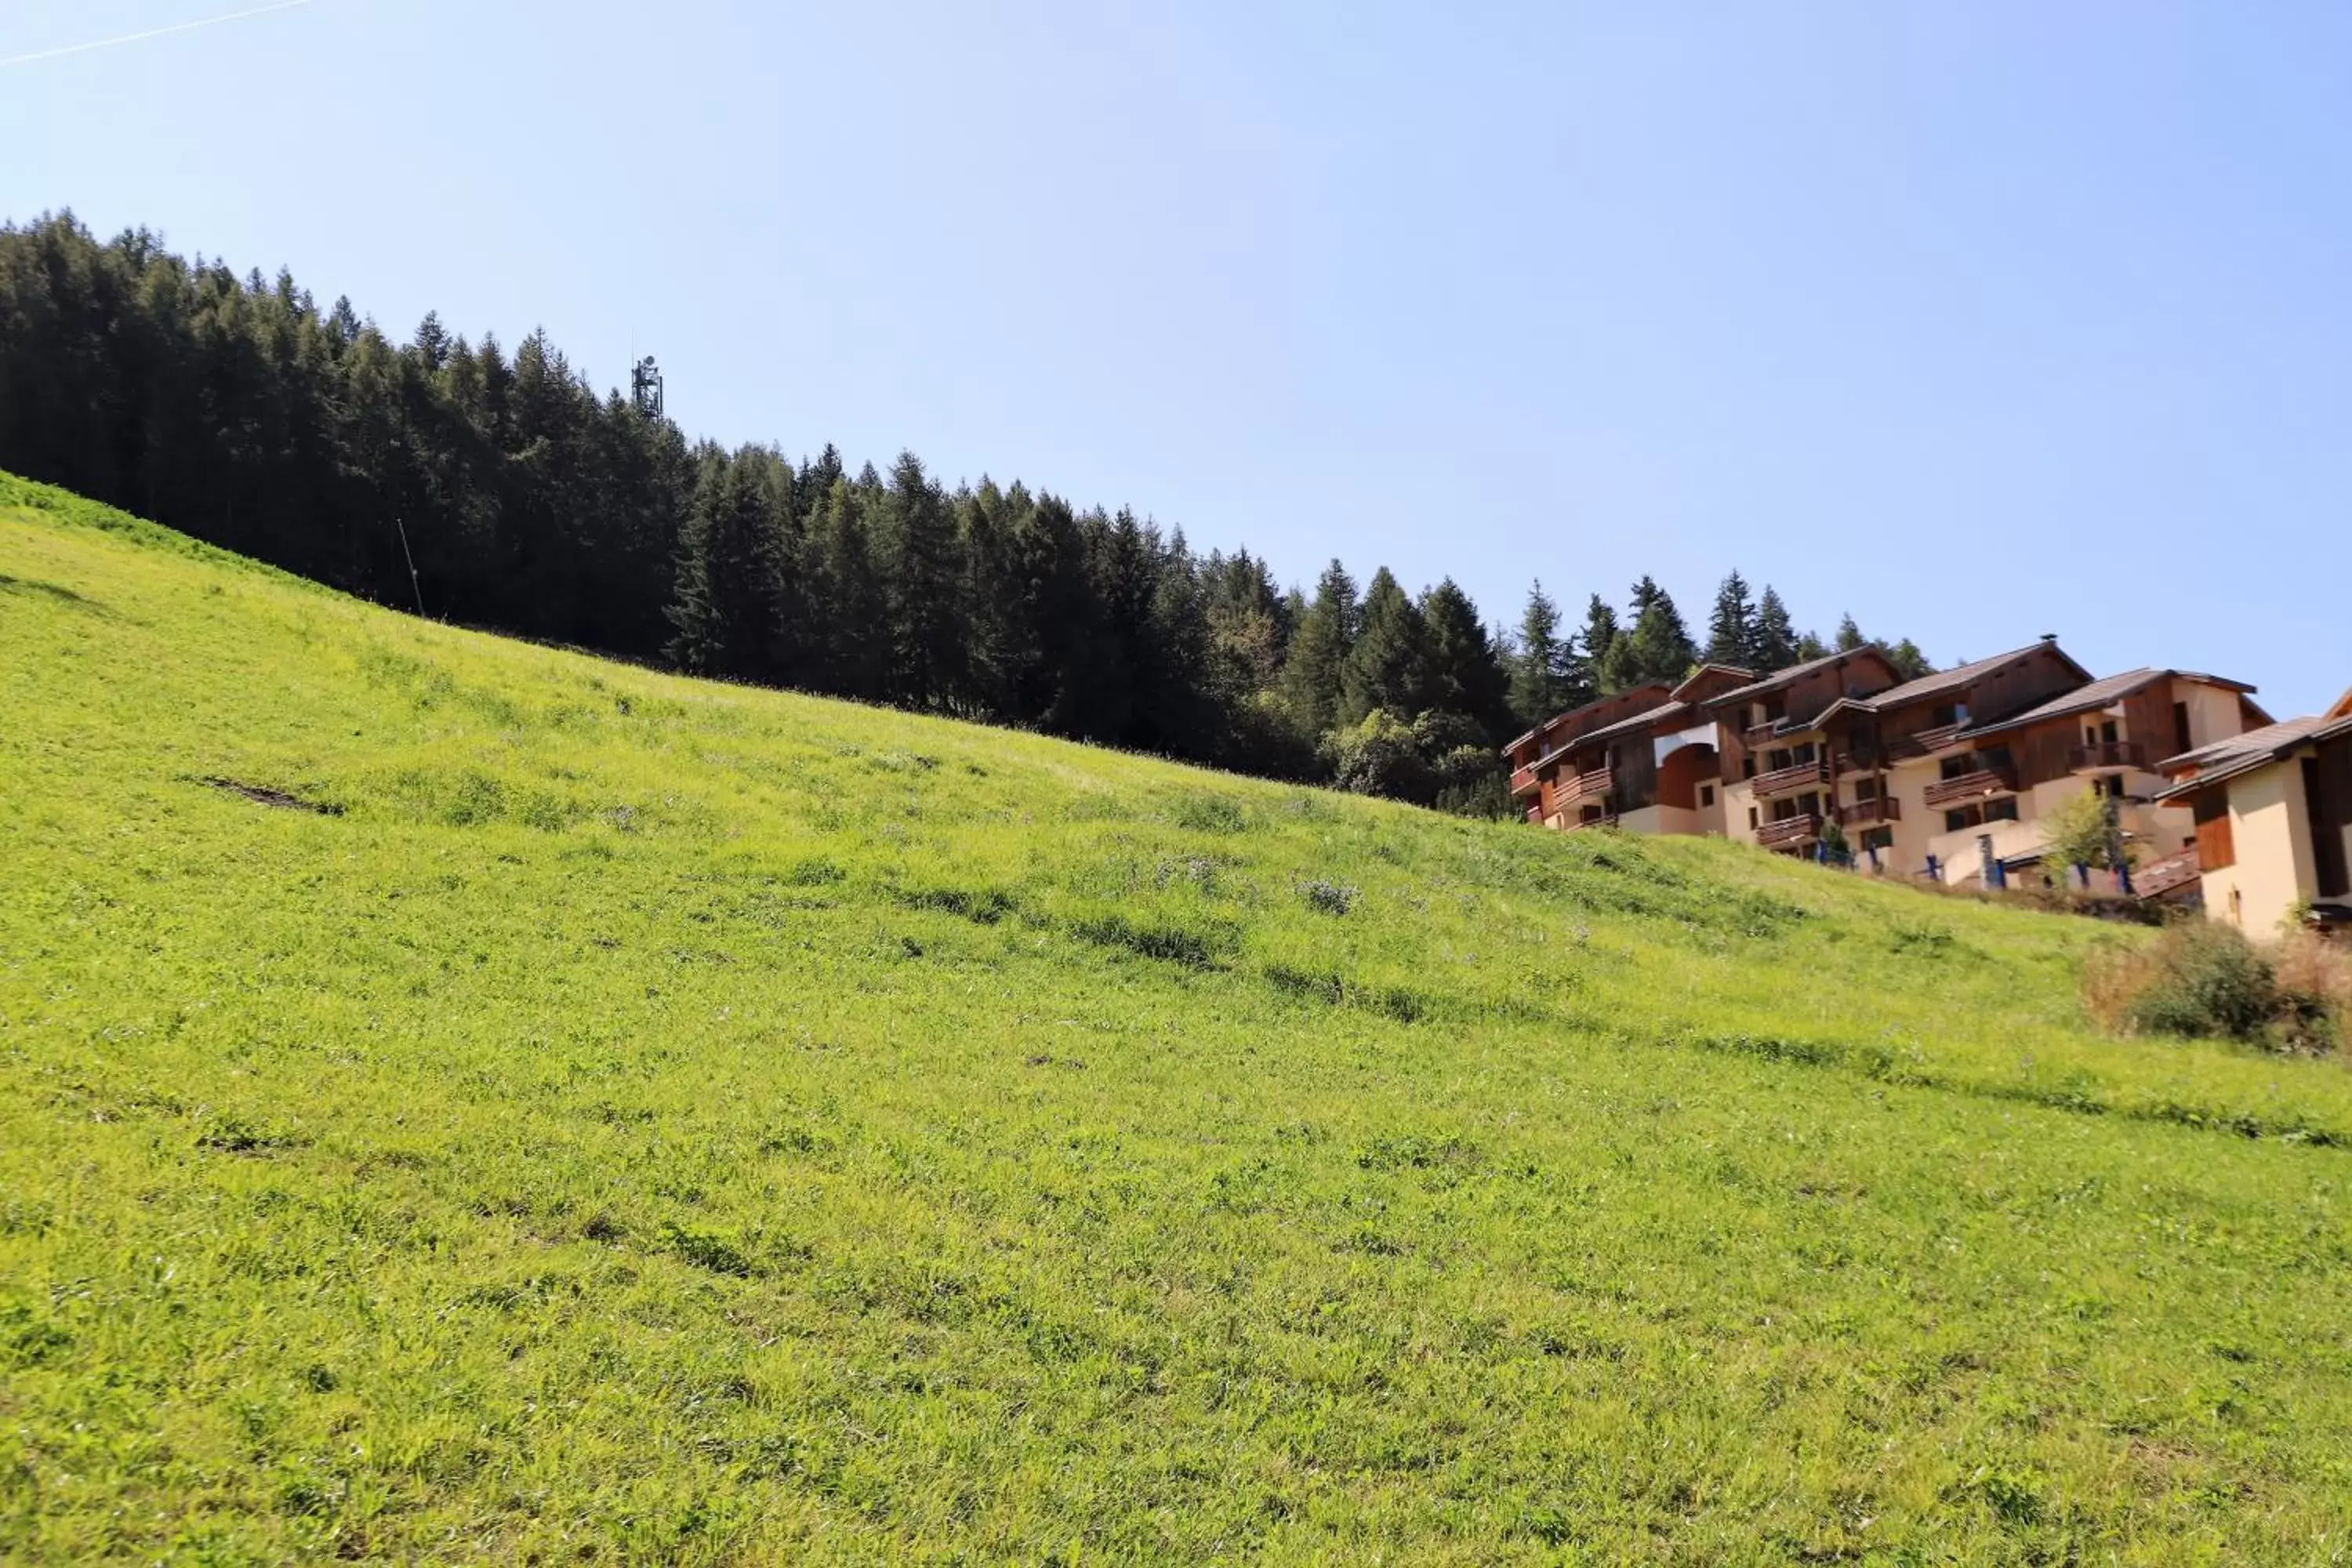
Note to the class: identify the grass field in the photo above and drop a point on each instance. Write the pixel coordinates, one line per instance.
(462, 1100)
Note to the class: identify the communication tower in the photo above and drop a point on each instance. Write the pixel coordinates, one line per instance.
(646, 388)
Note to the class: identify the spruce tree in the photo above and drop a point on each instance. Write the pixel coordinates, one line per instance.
(727, 604)
(1596, 647)
(1849, 634)
(924, 573)
(1464, 674)
(1657, 647)
(1775, 646)
(1540, 682)
(1319, 651)
(1388, 668)
(1731, 630)
(1908, 661)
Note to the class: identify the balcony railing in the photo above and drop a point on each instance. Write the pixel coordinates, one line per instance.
(1524, 779)
(1870, 813)
(1789, 780)
(1789, 831)
(1927, 743)
(1535, 815)
(2105, 756)
(1573, 787)
(1861, 762)
(1760, 734)
(1971, 786)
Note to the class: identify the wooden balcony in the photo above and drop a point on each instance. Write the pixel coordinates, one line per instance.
(2106, 757)
(1573, 787)
(1971, 786)
(1790, 780)
(1860, 762)
(1790, 832)
(1535, 815)
(1524, 780)
(1870, 813)
(1927, 743)
(1762, 735)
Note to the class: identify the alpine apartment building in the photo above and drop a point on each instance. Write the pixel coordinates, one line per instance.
(1948, 776)
(2271, 811)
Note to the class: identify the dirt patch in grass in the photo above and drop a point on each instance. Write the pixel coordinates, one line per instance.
(262, 795)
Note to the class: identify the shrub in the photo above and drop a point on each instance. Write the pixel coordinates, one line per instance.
(2198, 980)
(2314, 981)
(1327, 898)
(2205, 979)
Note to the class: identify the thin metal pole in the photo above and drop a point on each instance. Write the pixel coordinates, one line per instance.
(412, 581)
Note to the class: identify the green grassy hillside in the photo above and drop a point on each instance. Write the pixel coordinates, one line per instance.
(464, 1100)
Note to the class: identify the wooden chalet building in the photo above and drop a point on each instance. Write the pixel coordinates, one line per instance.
(1948, 776)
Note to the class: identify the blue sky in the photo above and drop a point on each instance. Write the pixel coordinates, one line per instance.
(1979, 320)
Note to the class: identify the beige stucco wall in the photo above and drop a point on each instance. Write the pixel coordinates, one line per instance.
(2271, 829)
(1671, 819)
(2214, 714)
(1736, 798)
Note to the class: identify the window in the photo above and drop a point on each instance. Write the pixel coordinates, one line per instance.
(1966, 817)
(1878, 838)
(1707, 794)
(1752, 819)
(2181, 741)
(2107, 731)
(1942, 714)
(1958, 767)
(1774, 760)
(1866, 789)
(1747, 767)
(2001, 810)
(1804, 753)
(2089, 736)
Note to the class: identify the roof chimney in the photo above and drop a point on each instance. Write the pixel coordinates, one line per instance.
(2049, 637)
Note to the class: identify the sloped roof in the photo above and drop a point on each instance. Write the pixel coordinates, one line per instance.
(2226, 759)
(1961, 676)
(2098, 694)
(1704, 670)
(1780, 678)
(1644, 720)
(1557, 718)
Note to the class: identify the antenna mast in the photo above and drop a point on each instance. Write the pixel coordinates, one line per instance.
(646, 388)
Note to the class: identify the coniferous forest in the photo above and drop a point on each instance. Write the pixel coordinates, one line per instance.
(236, 409)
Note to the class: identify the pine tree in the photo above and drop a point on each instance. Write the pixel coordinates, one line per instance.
(1540, 681)
(1465, 674)
(854, 640)
(1849, 634)
(728, 601)
(1388, 668)
(1319, 651)
(1731, 630)
(1596, 648)
(1908, 661)
(1656, 648)
(1775, 646)
(924, 576)
(1810, 648)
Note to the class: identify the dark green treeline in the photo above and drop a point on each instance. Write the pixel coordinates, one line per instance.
(236, 410)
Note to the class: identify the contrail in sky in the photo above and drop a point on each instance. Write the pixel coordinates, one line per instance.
(151, 33)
